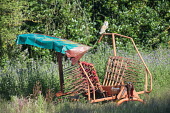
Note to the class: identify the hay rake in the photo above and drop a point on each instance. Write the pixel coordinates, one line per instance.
(124, 79)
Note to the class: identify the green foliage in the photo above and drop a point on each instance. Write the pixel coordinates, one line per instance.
(146, 21)
(66, 19)
(159, 102)
(10, 24)
(138, 19)
(19, 77)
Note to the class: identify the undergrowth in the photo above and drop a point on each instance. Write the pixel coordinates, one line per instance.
(19, 76)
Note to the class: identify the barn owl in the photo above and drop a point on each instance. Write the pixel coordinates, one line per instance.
(104, 27)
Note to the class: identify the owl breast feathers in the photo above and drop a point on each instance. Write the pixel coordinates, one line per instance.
(104, 27)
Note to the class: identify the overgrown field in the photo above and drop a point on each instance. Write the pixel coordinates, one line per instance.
(18, 77)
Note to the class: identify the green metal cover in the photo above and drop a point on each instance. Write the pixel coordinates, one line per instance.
(70, 48)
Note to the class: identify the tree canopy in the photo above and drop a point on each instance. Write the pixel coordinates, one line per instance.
(147, 21)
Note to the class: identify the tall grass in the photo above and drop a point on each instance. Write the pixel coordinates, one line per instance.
(18, 77)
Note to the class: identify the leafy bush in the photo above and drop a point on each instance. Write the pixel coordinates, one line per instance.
(146, 21)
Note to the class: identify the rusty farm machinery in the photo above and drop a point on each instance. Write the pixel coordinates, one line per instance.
(124, 80)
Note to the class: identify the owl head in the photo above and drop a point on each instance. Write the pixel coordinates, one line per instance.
(106, 23)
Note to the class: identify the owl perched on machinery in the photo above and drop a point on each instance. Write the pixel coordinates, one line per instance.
(104, 27)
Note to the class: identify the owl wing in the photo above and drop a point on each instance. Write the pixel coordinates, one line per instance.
(103, 29)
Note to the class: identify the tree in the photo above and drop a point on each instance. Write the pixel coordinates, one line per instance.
(10, 22)
(147, 21)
